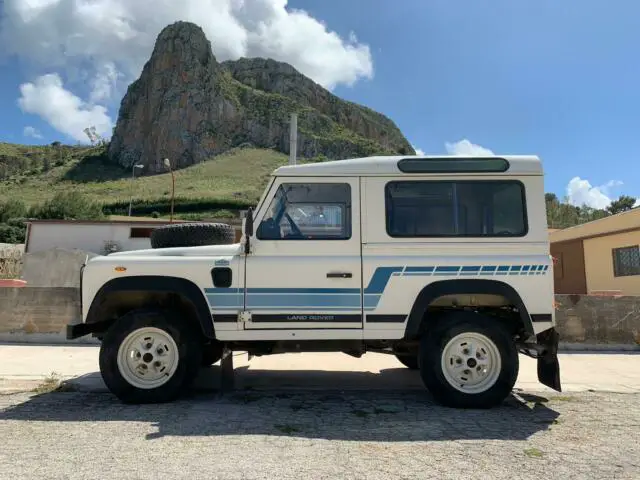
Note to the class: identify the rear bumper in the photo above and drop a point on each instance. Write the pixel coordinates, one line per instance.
(548, 365)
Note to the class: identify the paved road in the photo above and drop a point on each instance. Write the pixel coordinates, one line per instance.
(319, 435)
(318, 416)
(24, 366)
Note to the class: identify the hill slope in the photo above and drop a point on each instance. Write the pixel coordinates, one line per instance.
(235, 178)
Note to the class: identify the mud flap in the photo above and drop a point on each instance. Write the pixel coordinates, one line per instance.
(548, 365)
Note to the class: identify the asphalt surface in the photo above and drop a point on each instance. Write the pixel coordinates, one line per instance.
(318, 435)
(316, 416)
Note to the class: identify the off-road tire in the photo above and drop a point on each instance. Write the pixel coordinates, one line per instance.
(211, 353)
(192, 235)
(409, 361)
(433, 343)
(186, 338)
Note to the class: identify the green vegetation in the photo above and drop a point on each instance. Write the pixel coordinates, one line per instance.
(533, 452)
(229, 181)
(89, 187)
(74, 182)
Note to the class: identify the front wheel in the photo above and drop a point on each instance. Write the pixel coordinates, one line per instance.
(409, 361)
(148, 357)
(468, 361)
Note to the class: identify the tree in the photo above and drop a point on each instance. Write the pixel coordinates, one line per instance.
(550, 197)
(622, 204)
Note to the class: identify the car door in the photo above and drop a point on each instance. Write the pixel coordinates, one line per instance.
(304, 270)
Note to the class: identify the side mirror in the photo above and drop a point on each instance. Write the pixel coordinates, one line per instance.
(248, 225)
(248, 230)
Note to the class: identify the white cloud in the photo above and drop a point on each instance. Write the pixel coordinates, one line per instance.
(580, 192)
(104, 83)
(465, 147)
(32, 132)
(103, 37)
(66, 112)
(419, 151)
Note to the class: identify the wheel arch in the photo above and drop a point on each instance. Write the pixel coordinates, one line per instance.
(438, 289)
(141, 291)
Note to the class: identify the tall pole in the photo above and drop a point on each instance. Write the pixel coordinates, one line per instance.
(133, 176)
(293, 139)
(167, 164)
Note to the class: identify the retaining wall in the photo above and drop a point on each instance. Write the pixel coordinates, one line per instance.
(37, 314)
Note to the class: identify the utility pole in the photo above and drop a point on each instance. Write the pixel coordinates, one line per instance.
(133, 175)
(293, 139)
(167, 163)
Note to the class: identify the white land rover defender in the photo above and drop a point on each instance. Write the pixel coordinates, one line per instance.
(441, 261)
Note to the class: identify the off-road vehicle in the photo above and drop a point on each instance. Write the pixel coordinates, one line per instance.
(441, 261)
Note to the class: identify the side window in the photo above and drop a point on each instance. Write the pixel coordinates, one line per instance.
(626, 261)
(308, 211)
(455, 209)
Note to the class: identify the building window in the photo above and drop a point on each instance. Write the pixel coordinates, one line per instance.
(140, 232)
(626, 261)
(456, 209)
(314, 211)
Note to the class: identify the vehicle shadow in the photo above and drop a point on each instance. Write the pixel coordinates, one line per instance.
(351, 406)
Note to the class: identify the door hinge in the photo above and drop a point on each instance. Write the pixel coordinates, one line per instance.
(244, 317)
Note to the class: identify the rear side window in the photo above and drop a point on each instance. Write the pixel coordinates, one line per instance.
(456, 209)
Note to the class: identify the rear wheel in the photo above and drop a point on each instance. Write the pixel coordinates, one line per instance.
(468, 361)
(148, 357)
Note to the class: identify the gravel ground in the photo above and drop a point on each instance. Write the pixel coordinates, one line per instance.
(318, 435)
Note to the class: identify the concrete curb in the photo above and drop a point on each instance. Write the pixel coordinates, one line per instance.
(44, 339)
(596, 347)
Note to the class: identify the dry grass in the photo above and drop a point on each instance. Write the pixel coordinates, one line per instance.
(10, 262)
(53, 383)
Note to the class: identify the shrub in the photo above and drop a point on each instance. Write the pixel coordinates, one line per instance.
(10, 234)
(12, 209)
(68, 206)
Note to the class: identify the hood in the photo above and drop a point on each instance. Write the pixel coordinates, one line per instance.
(205, 251)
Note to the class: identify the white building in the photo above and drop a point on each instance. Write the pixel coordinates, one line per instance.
(126, 233)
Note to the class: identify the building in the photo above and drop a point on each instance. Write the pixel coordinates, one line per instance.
(99, 237)
(600, 257)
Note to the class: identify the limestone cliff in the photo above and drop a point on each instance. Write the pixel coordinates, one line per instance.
(188, 107)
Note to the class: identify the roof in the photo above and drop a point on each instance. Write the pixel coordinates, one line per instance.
(388, 165)
(619, 223)
(132, 221)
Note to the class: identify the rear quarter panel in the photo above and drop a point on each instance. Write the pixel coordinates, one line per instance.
(402, 267)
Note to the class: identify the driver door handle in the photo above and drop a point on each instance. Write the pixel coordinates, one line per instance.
(339, 275)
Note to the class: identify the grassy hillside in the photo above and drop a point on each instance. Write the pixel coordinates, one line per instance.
(234, 178)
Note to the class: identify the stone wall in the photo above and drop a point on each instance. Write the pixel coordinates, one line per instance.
(598, 320)
(35, 314)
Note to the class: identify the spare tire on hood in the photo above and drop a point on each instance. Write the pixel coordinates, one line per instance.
(192, 235)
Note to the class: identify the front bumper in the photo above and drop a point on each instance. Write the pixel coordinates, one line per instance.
(548, 365)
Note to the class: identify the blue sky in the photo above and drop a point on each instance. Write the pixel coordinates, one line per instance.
(556, 79)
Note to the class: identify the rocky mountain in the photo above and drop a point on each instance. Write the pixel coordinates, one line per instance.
(188, 107)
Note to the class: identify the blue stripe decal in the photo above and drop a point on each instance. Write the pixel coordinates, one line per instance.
(380, 279)
(336, 299)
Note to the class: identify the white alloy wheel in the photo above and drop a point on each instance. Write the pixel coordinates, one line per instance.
(148, 358)
(471, 363)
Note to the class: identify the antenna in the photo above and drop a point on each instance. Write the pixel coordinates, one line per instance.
(293, 139)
